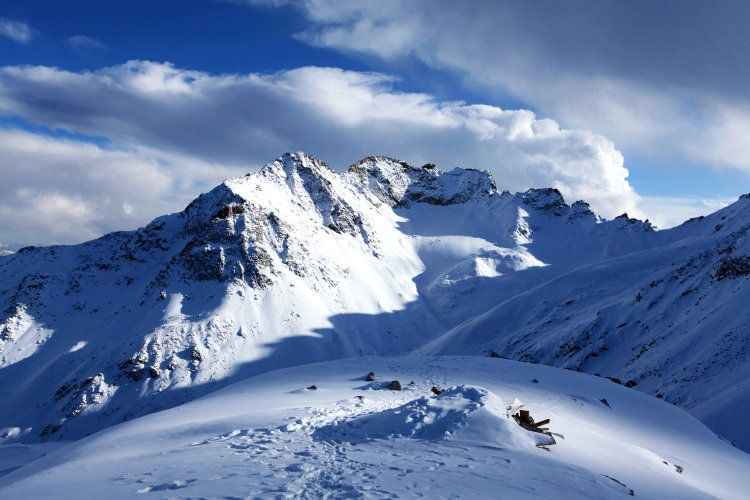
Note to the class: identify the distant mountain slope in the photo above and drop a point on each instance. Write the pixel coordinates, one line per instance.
(297, 263)
(672, 321)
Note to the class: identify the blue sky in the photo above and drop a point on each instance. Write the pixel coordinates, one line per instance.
(212, 36)
(663, 83)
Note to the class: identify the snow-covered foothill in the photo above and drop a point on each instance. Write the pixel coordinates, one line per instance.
(270, 436)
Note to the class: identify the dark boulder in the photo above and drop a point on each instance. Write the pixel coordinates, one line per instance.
(394, 385)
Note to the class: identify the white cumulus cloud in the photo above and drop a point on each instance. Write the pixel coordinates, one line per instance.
(663, 87)
(158, 116)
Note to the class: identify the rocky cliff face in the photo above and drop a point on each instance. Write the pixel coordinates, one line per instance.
(297, 263)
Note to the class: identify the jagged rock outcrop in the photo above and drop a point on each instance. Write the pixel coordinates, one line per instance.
(400, 184)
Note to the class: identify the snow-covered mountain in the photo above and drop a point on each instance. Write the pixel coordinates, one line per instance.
(297, 263)
(671, 320)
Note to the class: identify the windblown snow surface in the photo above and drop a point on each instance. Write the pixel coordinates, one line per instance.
(270, 436)
(298, 264)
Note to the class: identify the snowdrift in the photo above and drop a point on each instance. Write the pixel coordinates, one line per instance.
(271, 436)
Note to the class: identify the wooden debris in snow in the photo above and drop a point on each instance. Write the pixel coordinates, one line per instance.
(524, 419)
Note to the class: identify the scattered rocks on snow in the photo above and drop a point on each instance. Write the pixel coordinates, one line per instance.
(733, 267)
(196, 355)
(630, 491)
(394, 385)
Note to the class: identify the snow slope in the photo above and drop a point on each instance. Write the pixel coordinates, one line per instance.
(269, 436)
(671, 321)
(297, 263)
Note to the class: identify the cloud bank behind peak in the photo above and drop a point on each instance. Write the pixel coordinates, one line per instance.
(172, 132)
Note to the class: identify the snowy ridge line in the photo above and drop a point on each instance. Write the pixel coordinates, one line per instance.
(354, 439)
(297, 263)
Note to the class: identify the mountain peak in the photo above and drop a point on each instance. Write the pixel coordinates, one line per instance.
(400, 184)
(547, 199)
(289, 165)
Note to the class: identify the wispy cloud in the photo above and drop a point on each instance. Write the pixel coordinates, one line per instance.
(17, 31)
(62, 191)
(666, 87)
(83, 42)
(668, 212)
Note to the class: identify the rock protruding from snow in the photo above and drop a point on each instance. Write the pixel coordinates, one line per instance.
(547, 199)
(582, 210)
(625, 221)
(399, 184)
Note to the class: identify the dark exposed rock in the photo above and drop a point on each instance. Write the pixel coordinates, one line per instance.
(229, 211)
(631, 383)
(370, 376)
(580, 210)
(196, 355)
(733, 267)
(394, 385)
(50, 429)
(205, 261)
(547, 199)
(400, 184)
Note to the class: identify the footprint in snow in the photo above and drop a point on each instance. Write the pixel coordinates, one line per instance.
(174, 485)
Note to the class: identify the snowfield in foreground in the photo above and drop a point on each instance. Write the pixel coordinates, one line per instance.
(274, 435)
